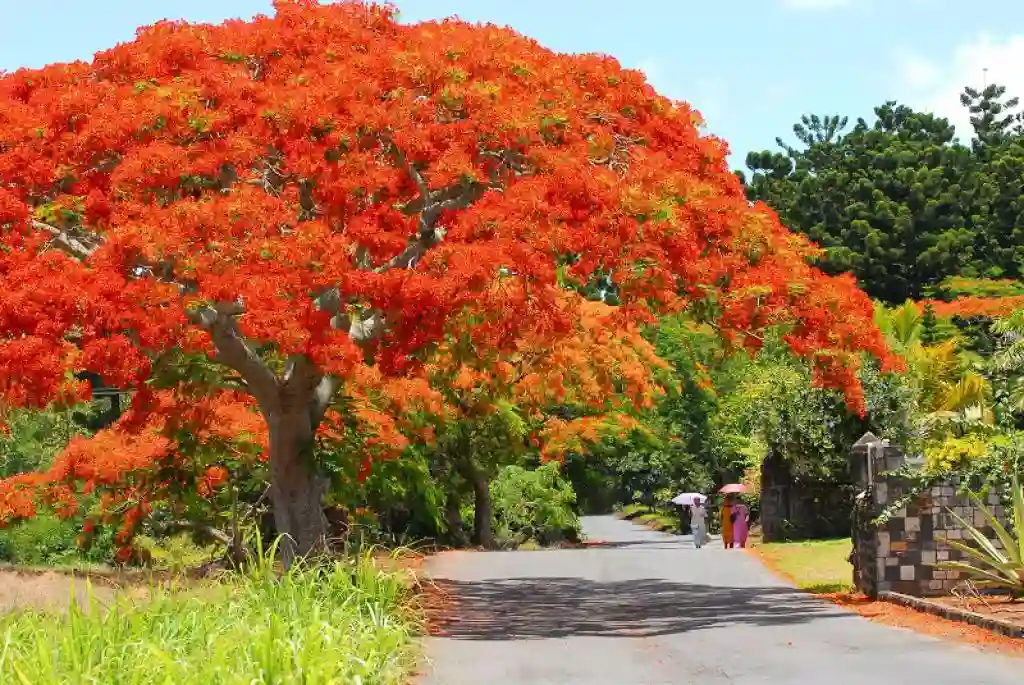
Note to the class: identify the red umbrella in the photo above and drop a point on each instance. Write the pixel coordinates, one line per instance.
(733, 488)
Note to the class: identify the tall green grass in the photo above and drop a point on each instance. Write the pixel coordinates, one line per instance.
(346, 623)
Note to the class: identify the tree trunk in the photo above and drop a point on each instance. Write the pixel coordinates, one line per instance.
(296, 490)
(483, 513)
(483, 509)
(453, 518)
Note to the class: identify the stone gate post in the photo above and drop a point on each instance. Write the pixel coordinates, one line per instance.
(902, 553)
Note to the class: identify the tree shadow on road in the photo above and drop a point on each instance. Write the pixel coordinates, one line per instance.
(535, 608)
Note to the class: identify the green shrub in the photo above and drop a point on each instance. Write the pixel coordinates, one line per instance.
(534, 505)
(50, 541)
(34, 438)
(176, 553)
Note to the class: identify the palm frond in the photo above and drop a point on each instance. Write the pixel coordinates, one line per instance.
(1013, 324)
(906, 323)
(971, 391)
(1009, 358)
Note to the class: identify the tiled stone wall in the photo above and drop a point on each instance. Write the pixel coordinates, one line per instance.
(901, 554)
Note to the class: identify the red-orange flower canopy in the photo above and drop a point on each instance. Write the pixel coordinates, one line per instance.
(329, 165)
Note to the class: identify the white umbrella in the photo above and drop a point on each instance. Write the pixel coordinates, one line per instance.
(686, 498)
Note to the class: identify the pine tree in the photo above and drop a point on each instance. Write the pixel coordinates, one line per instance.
(992, 118)
(929, 326)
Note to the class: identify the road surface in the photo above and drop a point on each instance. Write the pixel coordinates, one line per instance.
(649, 609)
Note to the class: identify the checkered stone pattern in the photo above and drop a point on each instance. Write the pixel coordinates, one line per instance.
(903, 553)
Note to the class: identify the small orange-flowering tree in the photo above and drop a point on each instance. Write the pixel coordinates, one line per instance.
(301, 197)
(536, 397)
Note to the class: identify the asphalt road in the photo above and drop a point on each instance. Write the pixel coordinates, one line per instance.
(649, 609)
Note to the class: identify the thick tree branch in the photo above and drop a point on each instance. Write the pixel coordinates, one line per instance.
(409, 168)
(68, 243)
(304, 386)
(220, 320)
(430, 205)
(200, 528)
(323, 393)
(414, 251)
(234, 351)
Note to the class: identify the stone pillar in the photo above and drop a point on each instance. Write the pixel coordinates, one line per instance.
(901, 554)
(867, 462)
(862, 556)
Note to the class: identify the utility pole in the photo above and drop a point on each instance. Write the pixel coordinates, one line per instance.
(984, 78)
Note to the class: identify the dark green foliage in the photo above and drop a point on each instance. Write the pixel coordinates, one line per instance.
(775, 404)
(639, 468)
(406, 498)
(107, 406)
(597, 485)
(897, 202)
(884, 200)
(977, 334)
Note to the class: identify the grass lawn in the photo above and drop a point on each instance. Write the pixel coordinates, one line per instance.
(818, 566)
(349, 623)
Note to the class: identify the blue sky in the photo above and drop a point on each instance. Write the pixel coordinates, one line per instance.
(751, 66)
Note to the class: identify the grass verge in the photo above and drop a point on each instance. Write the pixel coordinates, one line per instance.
(350, 622)
(654, 519)
(631, 511)
(658, 521)
(819, 566)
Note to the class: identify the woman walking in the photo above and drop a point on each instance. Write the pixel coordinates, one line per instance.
(727, 522)
(699, 522)
(740, 523)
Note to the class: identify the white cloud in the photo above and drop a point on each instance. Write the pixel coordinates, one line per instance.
(935, 85)
(815, 5)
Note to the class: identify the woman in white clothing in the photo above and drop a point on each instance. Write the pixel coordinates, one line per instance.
(699, 522)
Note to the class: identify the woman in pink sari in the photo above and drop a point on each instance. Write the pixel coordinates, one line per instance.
(740, 523)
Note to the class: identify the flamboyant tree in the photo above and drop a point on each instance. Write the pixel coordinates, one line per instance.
(300, 197)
